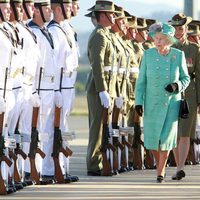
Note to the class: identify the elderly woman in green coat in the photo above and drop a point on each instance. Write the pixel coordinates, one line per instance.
(163, 76)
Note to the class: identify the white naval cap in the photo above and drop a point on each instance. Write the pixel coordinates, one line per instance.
(41, 2)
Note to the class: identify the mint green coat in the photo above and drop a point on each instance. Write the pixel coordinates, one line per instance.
(161, 108)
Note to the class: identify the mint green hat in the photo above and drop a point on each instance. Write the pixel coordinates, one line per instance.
(163, 28)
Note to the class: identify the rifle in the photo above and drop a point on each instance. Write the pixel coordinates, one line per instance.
(136, 142)
(106, 171)
(115, 120)
(123, 156)
(57, 144)
(3, 157)
(34, 140)
(13, 155)
(105, 144)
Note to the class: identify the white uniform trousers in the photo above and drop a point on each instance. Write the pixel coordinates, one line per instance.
(25, 124)
(46, 128)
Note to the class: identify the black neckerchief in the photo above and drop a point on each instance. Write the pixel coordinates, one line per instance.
(75, 34)
(44, 31)
(56, 24)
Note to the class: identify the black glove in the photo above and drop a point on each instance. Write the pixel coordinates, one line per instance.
(172, 87)
(139, 110)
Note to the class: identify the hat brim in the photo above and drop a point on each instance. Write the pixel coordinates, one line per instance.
(172, 39)
(193, 33)
(181, 23)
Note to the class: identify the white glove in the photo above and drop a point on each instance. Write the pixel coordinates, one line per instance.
(35, 99)
(105, 99)
(119, 102)
(2, 105)
(58, 99)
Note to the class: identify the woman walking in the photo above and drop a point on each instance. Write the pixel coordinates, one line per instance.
(163, 76)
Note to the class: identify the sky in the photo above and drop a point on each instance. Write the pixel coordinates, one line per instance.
(139, 8)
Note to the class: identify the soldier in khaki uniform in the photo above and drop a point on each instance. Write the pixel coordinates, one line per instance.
(149, 42)
(100, 53)
(194, 33)
(121, 102)
(137, 42)
(192, 93)
(141, 37)
(193, 36)
(133, 75)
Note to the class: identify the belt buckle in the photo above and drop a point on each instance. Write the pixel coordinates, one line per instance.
(70, 74)
(30, 78)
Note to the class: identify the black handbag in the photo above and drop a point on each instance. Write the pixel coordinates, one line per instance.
(184, 108)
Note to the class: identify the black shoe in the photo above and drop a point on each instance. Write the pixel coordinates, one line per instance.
(47, 180)
(122, 170)
(68, 179)
(115, 172)
(11, 187)
(179, 175)
(73, 178)
(131, 168)
(94, 173)
(24, 184)
(27, 178)
(160, 179)
(10, 190)
(18, 185)
(28, 182)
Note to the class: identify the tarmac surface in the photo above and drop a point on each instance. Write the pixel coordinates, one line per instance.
(138, 184)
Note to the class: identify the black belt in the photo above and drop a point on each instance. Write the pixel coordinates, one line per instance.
(67, 88)
(45, 89)
(16, 88)
(6, 89)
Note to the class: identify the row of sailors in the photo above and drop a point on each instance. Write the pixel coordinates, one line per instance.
(33, 50)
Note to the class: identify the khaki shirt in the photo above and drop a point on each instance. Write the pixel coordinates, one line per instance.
(133, 69)
(148, 44)
(121, 62)
(139, 51)
(101, 54)
(192, 55)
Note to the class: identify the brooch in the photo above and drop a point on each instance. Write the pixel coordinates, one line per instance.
(173, 57)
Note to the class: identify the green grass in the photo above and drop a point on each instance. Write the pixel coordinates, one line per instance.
(80, 106)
